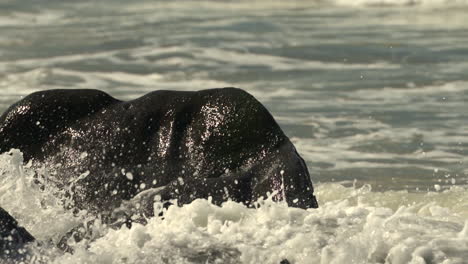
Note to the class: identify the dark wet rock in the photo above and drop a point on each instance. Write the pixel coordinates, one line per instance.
(221, 143)
(13, 238)
(116, 157)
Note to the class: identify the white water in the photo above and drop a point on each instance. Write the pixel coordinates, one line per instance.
(371, 92)
(353, 225)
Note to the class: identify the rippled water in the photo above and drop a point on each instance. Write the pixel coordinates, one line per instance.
(372, 93)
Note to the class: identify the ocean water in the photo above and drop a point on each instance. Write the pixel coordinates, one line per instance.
(373, 93)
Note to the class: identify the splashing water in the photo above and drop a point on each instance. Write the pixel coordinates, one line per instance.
(369, 91)
(353, 225)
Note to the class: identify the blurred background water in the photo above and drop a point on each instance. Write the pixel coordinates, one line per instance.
(371, 91)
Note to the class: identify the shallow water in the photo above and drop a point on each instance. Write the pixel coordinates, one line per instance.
(372, 93)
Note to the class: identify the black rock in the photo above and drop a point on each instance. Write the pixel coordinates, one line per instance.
(13, 238)
(221, 143)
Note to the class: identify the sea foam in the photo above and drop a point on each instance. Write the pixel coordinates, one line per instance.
(352, 225)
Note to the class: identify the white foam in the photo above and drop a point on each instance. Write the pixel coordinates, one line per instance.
(351, 226)
(274, 4)
(39, 211)
(400, 2)
(281, 63)
(404, 94)
(32, 19)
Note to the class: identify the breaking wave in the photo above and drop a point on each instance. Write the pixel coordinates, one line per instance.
(353, 225)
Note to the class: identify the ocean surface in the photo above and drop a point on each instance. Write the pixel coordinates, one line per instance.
(373, 93)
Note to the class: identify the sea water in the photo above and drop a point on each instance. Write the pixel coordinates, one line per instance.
(373, 93)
